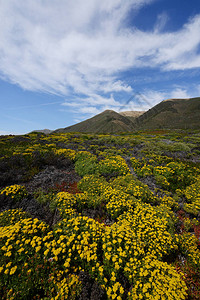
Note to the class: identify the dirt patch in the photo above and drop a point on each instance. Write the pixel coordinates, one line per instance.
(51, 178)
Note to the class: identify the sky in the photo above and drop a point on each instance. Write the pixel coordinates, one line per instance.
(63, 61)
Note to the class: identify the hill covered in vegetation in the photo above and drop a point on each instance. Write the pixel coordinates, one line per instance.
(168, 114)
(172, 113)
(106, 122)
(100, 216)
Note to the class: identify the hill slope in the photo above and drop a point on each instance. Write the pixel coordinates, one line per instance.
(172, 114)
(106, 122)
(168, 114)
(46, 131)
(132, 115)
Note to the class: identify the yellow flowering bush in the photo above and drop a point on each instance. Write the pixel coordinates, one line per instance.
(153, 279)
(68, 288)
(169, 201)
(188, 247)
(68, 153)
(119, 202)
(11, 216)
(93, 184)
(145, 244)
(65, 202)
(192, 193)
(20, 250)
(113, 165)
(15, 192)
(77, 242)
(150, 229)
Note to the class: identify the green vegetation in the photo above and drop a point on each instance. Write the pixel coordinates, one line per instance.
(106, 122)
(168, 114)
(119, 216)
(172, 113)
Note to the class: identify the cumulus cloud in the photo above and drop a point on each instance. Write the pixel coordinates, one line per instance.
(81, 47)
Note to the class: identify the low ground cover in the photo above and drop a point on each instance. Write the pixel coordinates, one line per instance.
(87, 216)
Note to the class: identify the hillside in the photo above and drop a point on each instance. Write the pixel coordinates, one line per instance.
(83, 216)
(106, 122)
(131, 115)
(45, 131)
(168, 114)
(172, 113)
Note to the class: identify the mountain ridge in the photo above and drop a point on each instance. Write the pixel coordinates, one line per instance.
(175, 113)
(107, 121)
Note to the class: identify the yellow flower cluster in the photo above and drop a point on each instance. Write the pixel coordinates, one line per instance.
(154, 279)
(65, 200)
(169, 201)
(76, 241)
(11, 216)
(188, 245)
(68, 288)
(118, 202)
(150, 229)
(114, 164)
(192, 194)
(167, 173)
(20, 249)
(141, 192)
(81, 155)
(15, 192)
(68, 153)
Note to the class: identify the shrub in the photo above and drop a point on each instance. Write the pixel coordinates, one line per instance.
(15, 192)
(86, 163)
(153, 280)
(115, 165)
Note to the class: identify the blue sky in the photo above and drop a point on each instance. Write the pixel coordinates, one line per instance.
(63, 61)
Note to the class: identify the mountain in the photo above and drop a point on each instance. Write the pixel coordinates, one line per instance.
(171, 114)
(108, 121)
(132, 115)
(168, 114)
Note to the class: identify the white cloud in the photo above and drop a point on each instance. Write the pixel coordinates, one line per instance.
(180, 49)
(80, 47)
(180, 93)
(88, 107)
(150, 98)
(92, 105)
(162, 20)
(61, 45)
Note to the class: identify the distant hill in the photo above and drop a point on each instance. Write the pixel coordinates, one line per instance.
(108, 121)
(132, 115)
(171, 114)
(46, 131)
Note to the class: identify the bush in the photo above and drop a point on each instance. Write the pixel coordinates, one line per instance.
(114, 165)
(14, 192)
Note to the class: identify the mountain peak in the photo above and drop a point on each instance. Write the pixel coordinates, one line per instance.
(168, 114)
(108, 121)
(172, 114)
